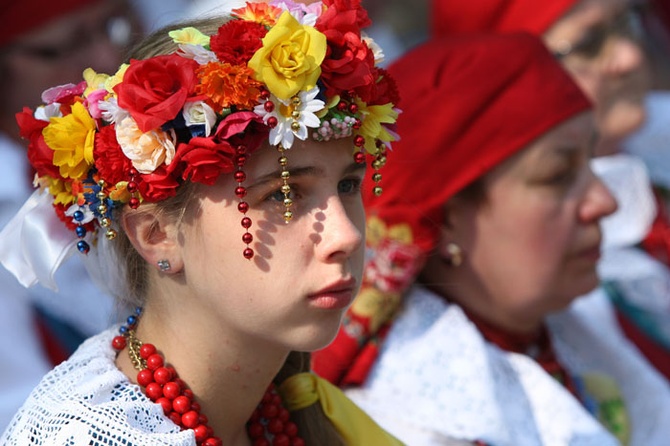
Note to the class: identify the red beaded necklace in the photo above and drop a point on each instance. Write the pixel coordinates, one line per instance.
(269, 425)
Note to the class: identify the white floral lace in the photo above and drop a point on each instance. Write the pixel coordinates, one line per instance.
(437, 377)
(87, 401)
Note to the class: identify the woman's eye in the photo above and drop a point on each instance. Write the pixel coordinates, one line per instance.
(279, 196)
(349, 186)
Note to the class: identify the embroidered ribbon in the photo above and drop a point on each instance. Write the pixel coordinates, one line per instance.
(35, 242)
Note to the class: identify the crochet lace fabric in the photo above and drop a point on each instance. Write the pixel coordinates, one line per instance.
(87, 401)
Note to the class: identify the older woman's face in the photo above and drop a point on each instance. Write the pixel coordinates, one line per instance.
(532, 246)
(599, 45)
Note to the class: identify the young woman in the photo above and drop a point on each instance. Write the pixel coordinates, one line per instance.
(489, 230)
(214, 181)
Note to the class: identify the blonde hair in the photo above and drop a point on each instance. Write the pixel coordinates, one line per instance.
(313, 425)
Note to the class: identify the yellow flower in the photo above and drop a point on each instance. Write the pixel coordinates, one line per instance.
(94, 81)
(116, 79)
(373, 118)
(262, 13)
(61, 190)
(290, 59)
(71, 138)
(189, 36)
(376, 231)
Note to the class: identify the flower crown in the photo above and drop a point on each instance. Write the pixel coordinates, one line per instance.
(273, 72)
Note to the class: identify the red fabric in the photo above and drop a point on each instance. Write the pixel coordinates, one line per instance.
(54, 350)
(21, 16)
(466, 16)
(474, 102)
(654, 352)
(657, 241)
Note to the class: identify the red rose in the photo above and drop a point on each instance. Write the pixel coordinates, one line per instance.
(381, 92)
(158, 185)
(237, 41)
(154, 90)
(349, 63)
(110, 161)
(40, 155)
(204, 159)
(243, 128)
(338, 6)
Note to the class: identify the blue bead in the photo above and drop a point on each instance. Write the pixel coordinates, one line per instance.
(78, 215)
(81, 231)
(123, 329)
(132, 320)
(138, 310)
(83, 247)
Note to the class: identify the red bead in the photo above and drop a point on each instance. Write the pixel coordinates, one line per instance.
(264, 94)
(171, 390)
(162, 375)
(248, 253)
(291, 429)
(267, 397)
(272, 122)
(359, 141)
(255, 430)
(283, 415)
(275, 426)
(176, 418)
(269, 106)
(240, 160)
(134, 203)
(261, 442)
(246, 222)
(119, 343)
(213, 441)
(195, 406)
(281, 440)
(247, 238)
(154, 391)
(276, 400)
(203, 418)
(166, 403)
(297, 441)
(131, 186)
(154, 361)
(357, 124)
(187, 392)
(145, 377)
(181, 404)
(241, 149)
(269, 411)
(341, 106)
(255, 415)
(240, 191)
(147, 350)
(132, 172)
(353, 108)
(200, 432)
(243, 207)
(190, 419)
(240, 176)
(359, 157)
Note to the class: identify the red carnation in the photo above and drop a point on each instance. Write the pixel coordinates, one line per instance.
(69, 222)
(110, 161)
(349, 63)
(237, 41)
(154, 90)
(338, 6)
(381, 92)
(158, 185)
(204, 159)
(40, 154)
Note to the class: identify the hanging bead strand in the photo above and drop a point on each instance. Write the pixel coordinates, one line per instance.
(286, 187)
(243, 206)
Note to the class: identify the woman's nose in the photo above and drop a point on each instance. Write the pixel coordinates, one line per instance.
(598, 202)
(342, 230)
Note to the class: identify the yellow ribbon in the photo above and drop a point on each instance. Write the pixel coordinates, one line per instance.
(355, 426)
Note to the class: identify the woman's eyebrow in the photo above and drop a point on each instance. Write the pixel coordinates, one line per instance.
(275, 175)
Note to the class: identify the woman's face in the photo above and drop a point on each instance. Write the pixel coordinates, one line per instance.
(305, 273)
(598, 43)
(532, 245)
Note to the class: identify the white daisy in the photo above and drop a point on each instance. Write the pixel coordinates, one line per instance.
(88, 214)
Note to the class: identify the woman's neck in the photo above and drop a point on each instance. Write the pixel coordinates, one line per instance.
(228, 376)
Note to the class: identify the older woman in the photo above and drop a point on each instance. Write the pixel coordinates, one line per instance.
(489, 228)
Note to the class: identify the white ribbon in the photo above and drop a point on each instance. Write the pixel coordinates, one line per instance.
(35, 242)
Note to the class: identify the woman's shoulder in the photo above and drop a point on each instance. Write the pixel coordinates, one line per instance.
(87, 397)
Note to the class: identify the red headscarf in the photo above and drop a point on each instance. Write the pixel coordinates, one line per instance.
(463, 16)
(468, 104)
(21, 16)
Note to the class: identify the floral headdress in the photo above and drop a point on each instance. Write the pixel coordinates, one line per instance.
(273, 72)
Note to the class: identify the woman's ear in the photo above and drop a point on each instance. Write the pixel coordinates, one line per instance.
(155, 237)
(448, 247)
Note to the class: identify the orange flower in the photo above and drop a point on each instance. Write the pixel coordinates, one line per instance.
(226, 85)
(262, 13)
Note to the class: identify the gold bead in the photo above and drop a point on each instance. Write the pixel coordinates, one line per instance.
(285, 175)
(376, 164)
(105, 222)
(101, 195)
(296, 101)
(295, 114)
(377, 191)
(286, 189)
(102, 209)
(110, 234)
(377, 177)
(382, 160)
(288, 215)
(283, 160)
(101, 183)
(295, 126)
(288, 202)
